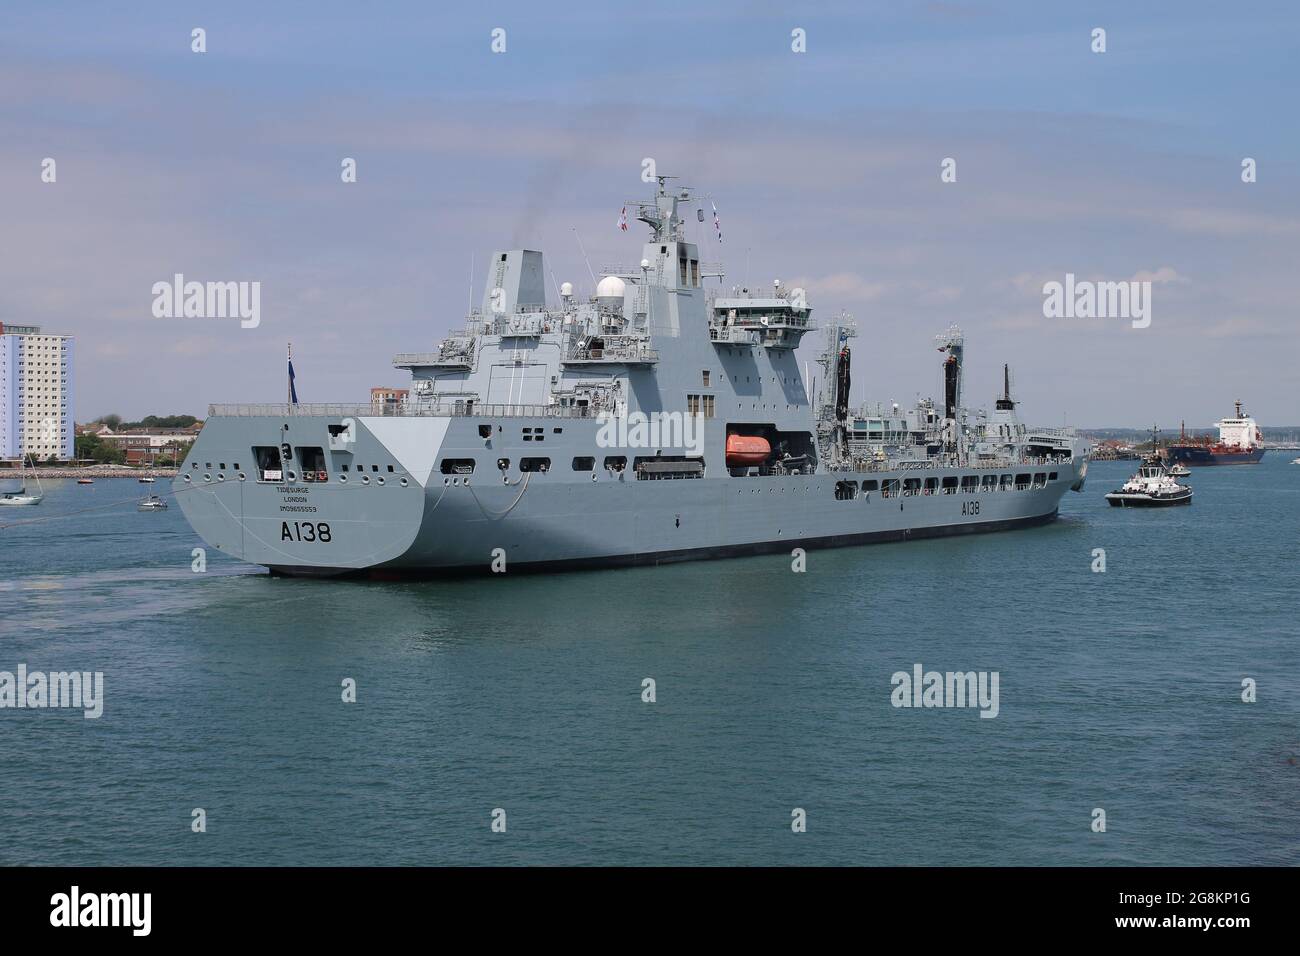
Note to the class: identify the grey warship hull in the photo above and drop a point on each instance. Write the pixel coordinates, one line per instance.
(415, 520)
(656, 421)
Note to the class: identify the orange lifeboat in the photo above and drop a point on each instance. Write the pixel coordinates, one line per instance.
(747, 450)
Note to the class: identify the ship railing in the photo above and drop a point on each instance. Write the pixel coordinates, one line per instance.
(776, 320)
(406, 410)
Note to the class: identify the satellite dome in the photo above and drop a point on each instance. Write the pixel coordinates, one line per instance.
(610, 287)
(566, 289)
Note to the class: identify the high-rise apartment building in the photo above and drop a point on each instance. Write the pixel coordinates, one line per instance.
(35, 393)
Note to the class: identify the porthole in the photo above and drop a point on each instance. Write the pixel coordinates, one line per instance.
(365, 479)
(242, 476)
(380, 479)
(403, 482)
(221, 476)
(207, 477)
(446, 481)
(187, 477)
(292, 475)
(343, 479)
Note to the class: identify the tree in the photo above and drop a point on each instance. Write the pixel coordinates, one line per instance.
(96, 449)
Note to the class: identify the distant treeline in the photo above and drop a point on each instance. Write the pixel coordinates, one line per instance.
(149, 421)
(1270, 432)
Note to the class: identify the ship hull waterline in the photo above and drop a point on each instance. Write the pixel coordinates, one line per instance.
(416, 521)
(1204, 457)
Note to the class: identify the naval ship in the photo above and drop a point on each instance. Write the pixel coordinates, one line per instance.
(664, 418)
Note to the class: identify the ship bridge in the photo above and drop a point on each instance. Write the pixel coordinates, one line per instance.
(779, 320)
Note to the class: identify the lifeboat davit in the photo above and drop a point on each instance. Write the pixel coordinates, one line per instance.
(747, 450)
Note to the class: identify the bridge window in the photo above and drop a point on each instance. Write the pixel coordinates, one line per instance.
(458, 466)
(584, 463)
(950, 485)
(846, 490)
(1040, 480)
(535, 464)
(871, 485)
(931, 485)
(268, 463)
(1022, 482)
(1006, 482)
(970, 483)
(615, 462)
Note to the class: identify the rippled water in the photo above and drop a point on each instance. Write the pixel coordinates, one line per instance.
(1119, 690)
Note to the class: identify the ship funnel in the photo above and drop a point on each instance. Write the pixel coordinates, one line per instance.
(515, 283)
(1005, 404)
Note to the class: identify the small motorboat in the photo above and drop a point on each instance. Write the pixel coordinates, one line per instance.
(151, 503)
(85, 481)
(1180, 471)
(146, 480)
(1296, 461)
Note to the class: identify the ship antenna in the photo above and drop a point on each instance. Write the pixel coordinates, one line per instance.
(583, 250)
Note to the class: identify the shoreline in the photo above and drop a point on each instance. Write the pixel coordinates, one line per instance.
(50, 474)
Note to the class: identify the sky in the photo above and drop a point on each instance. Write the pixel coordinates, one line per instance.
(824, 165)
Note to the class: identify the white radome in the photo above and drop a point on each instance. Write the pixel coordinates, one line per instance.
(610, 288)
(566, 289)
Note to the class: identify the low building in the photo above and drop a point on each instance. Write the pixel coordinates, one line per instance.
(144, 446)
(384, 398)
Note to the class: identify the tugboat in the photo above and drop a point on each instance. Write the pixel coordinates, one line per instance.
(1152, 487)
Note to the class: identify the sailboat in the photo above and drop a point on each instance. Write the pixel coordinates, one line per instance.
(21, 497)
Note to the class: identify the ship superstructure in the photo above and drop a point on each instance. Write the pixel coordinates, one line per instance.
(659, 419)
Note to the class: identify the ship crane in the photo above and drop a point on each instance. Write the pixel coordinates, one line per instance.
(954, 343)
(834, 402)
